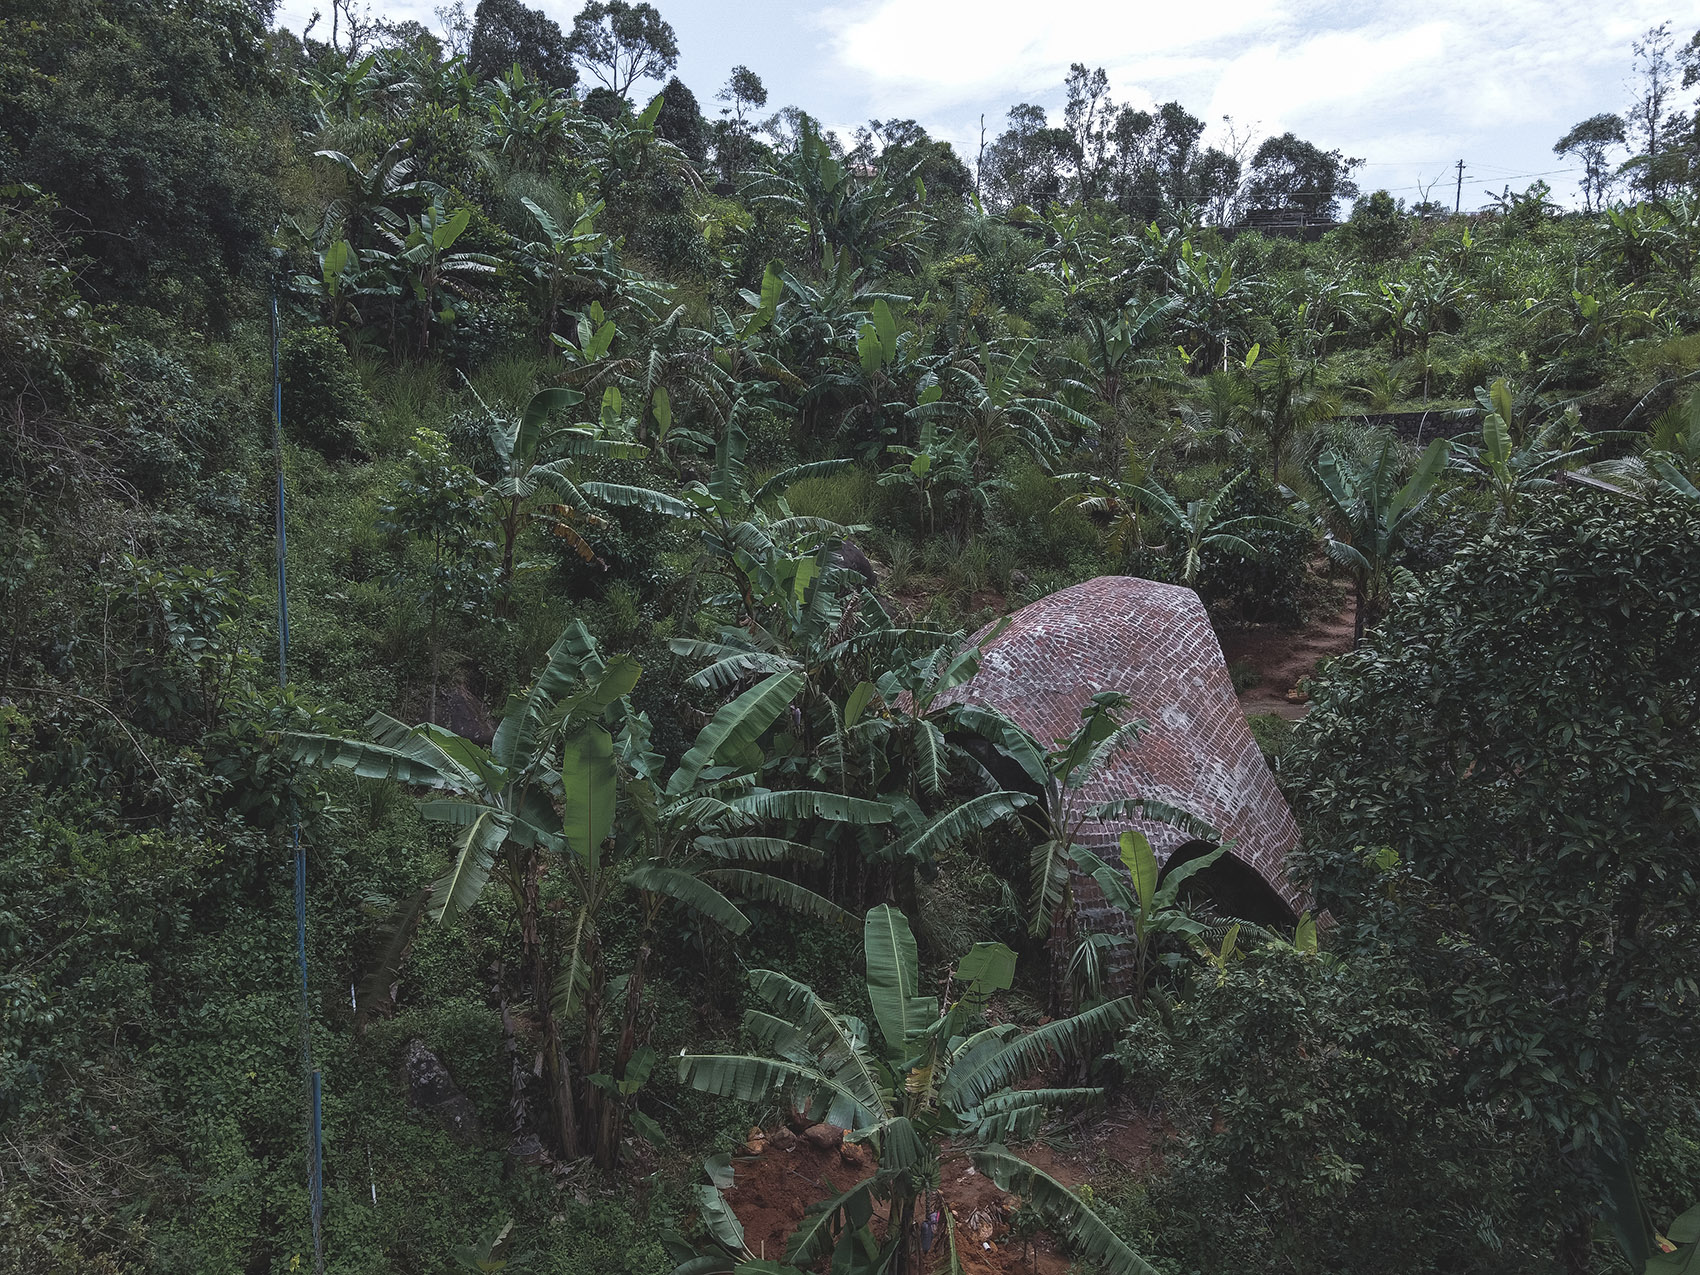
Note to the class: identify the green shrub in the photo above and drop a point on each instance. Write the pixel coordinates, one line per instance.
(1317, 1127)
(324, 404)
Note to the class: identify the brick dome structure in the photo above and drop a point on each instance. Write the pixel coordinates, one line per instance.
(1154, 643)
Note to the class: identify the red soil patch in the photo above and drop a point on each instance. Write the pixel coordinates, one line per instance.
(773, 1189)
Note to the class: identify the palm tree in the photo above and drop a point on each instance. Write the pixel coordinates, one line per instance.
(1367, 518)
(1220, 407)
(929, 1078)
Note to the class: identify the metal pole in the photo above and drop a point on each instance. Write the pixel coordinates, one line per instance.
(310, 1074)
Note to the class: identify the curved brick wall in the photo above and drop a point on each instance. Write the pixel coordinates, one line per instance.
(1153, 642)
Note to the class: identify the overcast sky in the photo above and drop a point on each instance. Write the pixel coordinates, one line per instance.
(1409, 87)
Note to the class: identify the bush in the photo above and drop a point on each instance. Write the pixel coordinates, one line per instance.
(324, 404)
(1317, 1124)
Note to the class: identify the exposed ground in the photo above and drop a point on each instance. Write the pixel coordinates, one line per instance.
(1282, 657)
(781, 1174)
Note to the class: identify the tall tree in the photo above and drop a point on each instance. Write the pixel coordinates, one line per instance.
(621, 43)
(1086, 118)
(680, 121)
(1291, 175)
(1649, 113)
(1026, 164)
(743, 92)
(1591, 141)
(505, 32)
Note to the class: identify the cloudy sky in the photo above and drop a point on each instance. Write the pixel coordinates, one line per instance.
(1409, 87)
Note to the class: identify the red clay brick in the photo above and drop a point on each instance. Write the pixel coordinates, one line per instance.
(1152, 642)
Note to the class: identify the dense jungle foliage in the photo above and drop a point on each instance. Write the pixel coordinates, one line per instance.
(647, 469)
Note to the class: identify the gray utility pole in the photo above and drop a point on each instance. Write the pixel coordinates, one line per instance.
(1458, 195)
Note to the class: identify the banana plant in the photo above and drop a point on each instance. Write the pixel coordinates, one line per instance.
(502, 802)
(534, 458)
(426, 258)
(1117, 357)
(1195, 527)
(562, 261)
(1058, 774)
(1510, 472)
(527, 122)
(1286, 401)
(690, 839)
(926, 1077)
(940, 471)
(995, 403)
(368, 209)
(1367, 516)
(1671, 460)
(1148, 897)
(1111, 503)
(740, 539)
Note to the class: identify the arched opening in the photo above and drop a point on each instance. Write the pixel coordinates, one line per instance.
(1233, 887)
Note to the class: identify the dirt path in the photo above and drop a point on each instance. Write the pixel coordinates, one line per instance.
(1283, 656)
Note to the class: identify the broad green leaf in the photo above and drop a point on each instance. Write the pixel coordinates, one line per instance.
(1067, 1214)
(589, 790)
(612, 406)
(719, 1219)
(857, 704)
(661, 407)
(1140, 860)
(893, 971)
(736, 726)
(1304, 938)
(886, 327)
(691, 890)
(460, 889)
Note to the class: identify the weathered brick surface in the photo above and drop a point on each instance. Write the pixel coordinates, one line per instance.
(1152, 642)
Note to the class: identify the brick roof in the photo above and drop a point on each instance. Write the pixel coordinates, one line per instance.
(1153, 642)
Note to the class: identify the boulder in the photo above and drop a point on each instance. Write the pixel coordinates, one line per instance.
(824, 1137)
(432, 1090)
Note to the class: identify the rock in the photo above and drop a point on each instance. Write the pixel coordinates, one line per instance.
(1019, 580)
(432, 1089)
(782, 1139)
(856, 1155)
(851, 557)
(798, 1120)
(823, 1137)
(755, 1142)
(462, 712)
